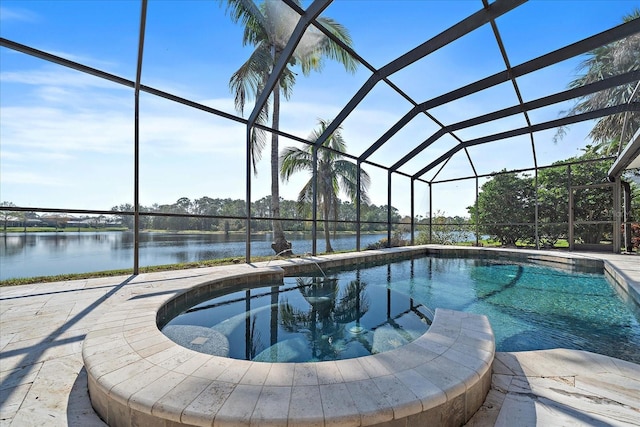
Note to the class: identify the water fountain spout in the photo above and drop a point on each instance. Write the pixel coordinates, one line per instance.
(277, 255)
(307, 254)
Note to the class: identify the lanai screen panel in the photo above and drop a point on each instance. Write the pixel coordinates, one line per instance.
(187, 153)
(197, 64)
(372, 117)
(75, 31)
(464, 192)
(515, 152)
(66, 137)
(418, 129)
(431, 76)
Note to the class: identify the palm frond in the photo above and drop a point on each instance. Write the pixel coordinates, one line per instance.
(246, 12)
(287, 81)
(294, 160)
(313, 59)
(333, 50)
(604, 62)
(305, 196)
(259, 137)
(248, 81)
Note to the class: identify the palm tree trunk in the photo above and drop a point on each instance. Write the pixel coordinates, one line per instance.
(280, 244)
(327, 227)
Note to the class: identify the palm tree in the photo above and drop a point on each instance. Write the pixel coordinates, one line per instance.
(334, 174)
(606, 61)
(268, 27)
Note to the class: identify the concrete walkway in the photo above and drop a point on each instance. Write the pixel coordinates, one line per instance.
(43, 382)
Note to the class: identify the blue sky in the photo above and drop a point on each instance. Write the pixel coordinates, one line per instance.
(66, 139)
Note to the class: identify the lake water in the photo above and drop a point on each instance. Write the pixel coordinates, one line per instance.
(44, 254)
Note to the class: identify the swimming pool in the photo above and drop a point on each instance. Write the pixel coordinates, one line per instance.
(530, 307)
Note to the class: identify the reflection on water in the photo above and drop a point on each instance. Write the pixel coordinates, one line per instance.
(304, 319)
(42, 254)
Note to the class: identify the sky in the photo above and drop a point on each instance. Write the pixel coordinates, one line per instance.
(66, 138)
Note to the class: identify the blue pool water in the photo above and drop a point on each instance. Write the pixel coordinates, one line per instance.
(302, 319)
(357, 312)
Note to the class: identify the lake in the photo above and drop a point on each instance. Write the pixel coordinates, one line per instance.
(45, 254)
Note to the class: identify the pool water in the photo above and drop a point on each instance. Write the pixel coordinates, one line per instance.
(302, 319)
(352, 313)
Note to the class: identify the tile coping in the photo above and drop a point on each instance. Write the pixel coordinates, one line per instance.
(138, 376)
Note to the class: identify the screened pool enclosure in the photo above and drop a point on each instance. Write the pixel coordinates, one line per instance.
(113, 111)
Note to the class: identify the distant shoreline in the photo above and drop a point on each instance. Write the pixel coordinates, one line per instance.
(20, 230)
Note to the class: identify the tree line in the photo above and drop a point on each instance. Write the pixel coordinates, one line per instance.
(229, 215)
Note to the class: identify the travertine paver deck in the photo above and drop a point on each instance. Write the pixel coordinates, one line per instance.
(561, 387)
(42, 380)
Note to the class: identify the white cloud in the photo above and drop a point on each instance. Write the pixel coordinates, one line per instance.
(174, 134)
(30, 178)
(17, 14)
(31, 156)
(11, 155)
(58, 77)
(56, 130)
